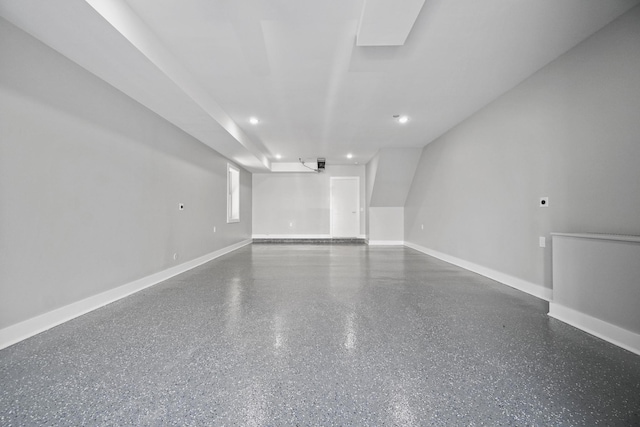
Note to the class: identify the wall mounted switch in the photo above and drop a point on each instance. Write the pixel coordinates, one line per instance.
(542, 242)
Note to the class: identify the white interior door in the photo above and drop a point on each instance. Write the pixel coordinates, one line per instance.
(345, 206)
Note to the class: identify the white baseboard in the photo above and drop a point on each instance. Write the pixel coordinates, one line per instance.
(385, 242)
(30, 327)
(522, 285)
(298, 236)
(291, 236)
(614, 334)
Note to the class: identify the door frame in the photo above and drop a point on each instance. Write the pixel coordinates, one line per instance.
(358, 213)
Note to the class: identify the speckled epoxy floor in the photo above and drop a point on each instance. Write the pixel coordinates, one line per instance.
(320, 335)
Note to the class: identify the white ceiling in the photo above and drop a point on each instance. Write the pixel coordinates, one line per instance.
(209, 65)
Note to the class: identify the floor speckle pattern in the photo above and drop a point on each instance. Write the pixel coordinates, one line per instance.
(320, 335)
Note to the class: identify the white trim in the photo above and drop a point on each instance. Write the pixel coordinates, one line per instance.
(614, 334)
(506, 279)
(292, 167)
(30, 327)
(385, 242)
(291, 236)
(613, 237)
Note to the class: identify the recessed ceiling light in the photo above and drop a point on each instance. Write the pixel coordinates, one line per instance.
(278, 156)
(403, 119)
(349, 156)
(254, 121)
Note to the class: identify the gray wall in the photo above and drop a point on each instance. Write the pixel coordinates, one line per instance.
(570, 132)
(389, 176)
(90, 183)
(385, 225)
(371, 170)
(302, 199)
(392, 172)
(598, 275)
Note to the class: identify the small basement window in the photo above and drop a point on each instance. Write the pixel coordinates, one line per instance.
(233, 193)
